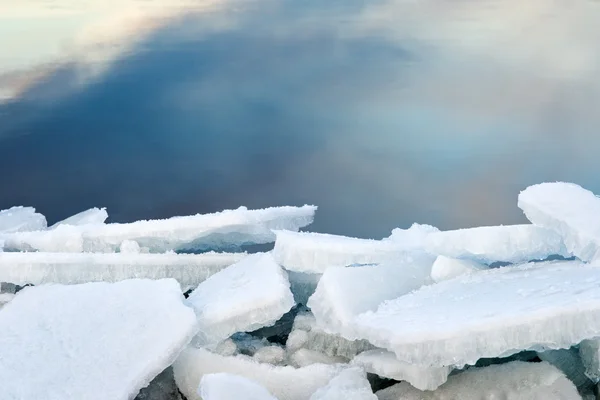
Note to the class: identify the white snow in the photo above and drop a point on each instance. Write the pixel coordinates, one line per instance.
(445, 268)
(223, 386)
(413, 238)
(243, 297)
(493, 313)
(21, 219)
(198, 232)
(343, 293)
(71, 268)
(488, 244)
(384, 363)
(568, 209)
(513, 381)
(91, 341)
(93, 216)
(350, 384)
(285, 383)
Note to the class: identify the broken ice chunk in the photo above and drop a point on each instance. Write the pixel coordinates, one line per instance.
(488, 244)
(93, 216)
(270, 354)
(569, 210)
(285, 383)
(569, 362)
(515, 381)
(71, 268)
(91, 341)
(589, 351)
(21, 219)
(350, 384)
(306, 357)
(493, 313)
(223, 386)
(413, 238)
(130, 246)
(243, 297)
(384, 363)
(445, 268)
(343, 293)
(197, 232)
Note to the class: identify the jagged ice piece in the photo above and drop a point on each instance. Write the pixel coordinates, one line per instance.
(350, 384)
(223, 386)
(445, 268)
(21, 219)
(93, 216)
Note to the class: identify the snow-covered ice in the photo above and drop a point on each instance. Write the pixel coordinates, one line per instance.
(343, 293)
(513, 381)
(488, 244)
(71, 268)
(350, 384)
(21, 219)
(384, 363)
(248, 295)
(492, 313)
(91, 341)
(270, 354)
(197, 232)
(224, 386)
(285, 383)
(93, 216)
(413, 238)
(447, 268)
(305, 357)
(568, 209)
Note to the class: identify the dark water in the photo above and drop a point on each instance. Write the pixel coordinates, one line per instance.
(383, 113)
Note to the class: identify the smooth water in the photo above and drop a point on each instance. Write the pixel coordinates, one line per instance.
(381, 112)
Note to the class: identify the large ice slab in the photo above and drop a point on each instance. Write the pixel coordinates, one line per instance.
(343, 293)
(91, 341)
(313, 253)
(93, 216)
(350, 384)
(223, 386)
(21, 219)
(488, 244)
(71, 268)
(197, 232)
(568, 209)
(285, 383)
(243, 297)
(492, 313)
(384, 363)
(514, 381)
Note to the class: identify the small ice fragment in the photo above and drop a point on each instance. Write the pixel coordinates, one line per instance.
(274, 355)
(223, 386)
(93, 216)
(246, 296)
(305, 357)
(445, 268)
(413, 238)
(350, 384)
(21, 219)
(130, 247)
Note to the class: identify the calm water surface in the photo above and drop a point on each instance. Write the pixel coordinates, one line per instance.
(381, 112)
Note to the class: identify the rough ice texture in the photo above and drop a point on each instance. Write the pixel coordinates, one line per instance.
(445, 268)
(513, 381)
(243, 297)
(91, 341)
(384, 363)
(413, 238)
(493, 313)
(306, 357)
(93, 216)
(285, 383)
(343, 293)
(71, 268)
(198, 232)
(21, 219)
(270, 354)
(569, 362)
(224, 386)
(488, 244)
(568, 209)
(350, 384)
(589, 351)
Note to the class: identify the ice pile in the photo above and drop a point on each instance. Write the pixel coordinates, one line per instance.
(487, 312)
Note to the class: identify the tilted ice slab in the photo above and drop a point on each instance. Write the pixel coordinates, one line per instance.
(198, 232)
(568, 209)
(488, 244)
(224, 386)
(91, 341)
(350, 384)
(384, 363)
(344, 293)
(285, 383)
(21, 219)
(513, 381)
(93, 216)
(445, 268)
(310, 252)
(71, 268)
(243, 297)
(492, 313)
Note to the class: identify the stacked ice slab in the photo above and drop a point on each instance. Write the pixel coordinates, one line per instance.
(488, 312)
